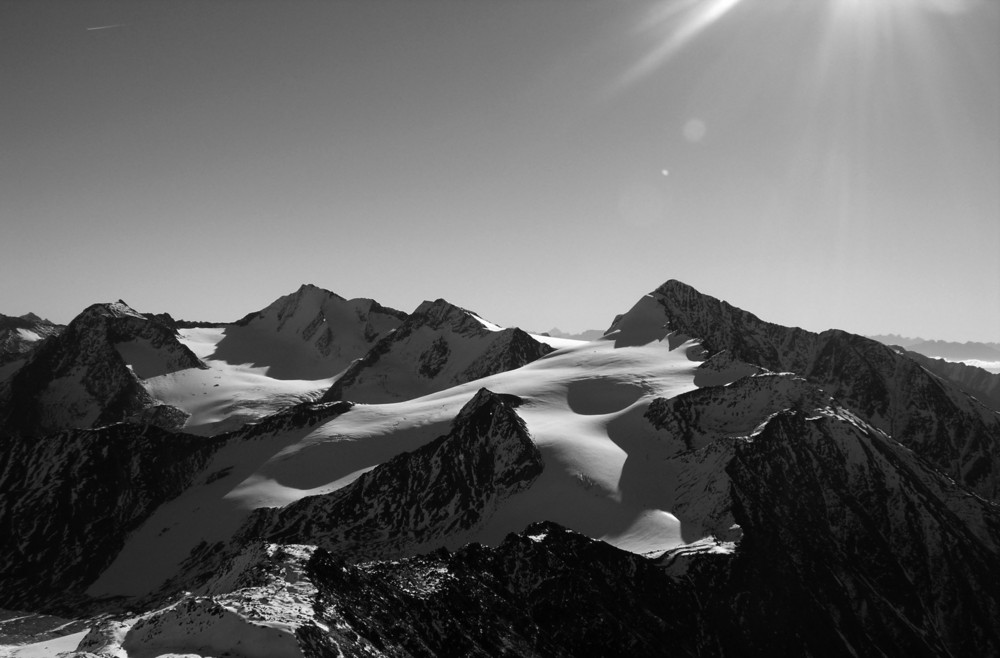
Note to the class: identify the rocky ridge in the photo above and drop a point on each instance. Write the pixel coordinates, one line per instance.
(68, 501)
(90, 374)
(331, 331)
(437, 495)
(953, 431)
(438, 346)
(19, 335)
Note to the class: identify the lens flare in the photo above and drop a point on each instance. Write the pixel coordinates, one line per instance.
(672, 24)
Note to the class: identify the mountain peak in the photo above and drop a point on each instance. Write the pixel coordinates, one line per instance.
(441, 313)
(308, 289)
(117, 309)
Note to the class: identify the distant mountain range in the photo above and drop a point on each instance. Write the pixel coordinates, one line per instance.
(940, 349)
(334, 477)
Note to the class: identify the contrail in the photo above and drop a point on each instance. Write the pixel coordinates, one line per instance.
(105, 27)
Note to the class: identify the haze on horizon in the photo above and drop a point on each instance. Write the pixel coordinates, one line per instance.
(834, 163)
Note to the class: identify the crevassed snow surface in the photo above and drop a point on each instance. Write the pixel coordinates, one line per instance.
(571, 397)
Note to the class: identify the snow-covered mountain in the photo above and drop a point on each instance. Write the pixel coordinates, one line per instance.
(956, 433)
(90, 374)
(19, 335)
(309, 334)
(438, 346)
(697, 479)
(289, 352)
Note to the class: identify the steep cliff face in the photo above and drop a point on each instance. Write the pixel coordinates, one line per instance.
(89, 375)
(439, 346)
(69, 500)
(957, 434)
(437, 495)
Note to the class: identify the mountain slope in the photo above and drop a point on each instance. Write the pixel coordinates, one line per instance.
(19, 335)
(754, 474)
(70, 499)
(977, 382)
(285, 354)
(309, 334)
(89, 375)
(440, 345)
(958, 435)
(437, 495)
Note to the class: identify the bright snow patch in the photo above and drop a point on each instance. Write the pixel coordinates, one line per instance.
(29, 335)
(582, 406)
(46, 649)
(226, 395)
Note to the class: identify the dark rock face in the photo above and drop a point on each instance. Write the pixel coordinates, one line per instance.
(68, 501)
(852, 546)
(330, 330)
(434, 496)
(20, 335)
(545, 592)
(849, 545)
(80, 377)
(956, 434)
(980, 384)
(439, 346)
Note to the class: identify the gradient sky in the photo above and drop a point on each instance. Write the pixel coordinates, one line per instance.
(829, 163)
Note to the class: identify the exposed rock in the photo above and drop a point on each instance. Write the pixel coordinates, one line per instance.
(69, 500)
(439, 346)
(89, 375)
(437, 495)
(957, 434)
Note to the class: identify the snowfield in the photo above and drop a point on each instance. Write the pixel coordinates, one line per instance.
(579, 402)
(229, 393)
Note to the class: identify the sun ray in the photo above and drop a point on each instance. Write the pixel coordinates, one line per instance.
(673, 24)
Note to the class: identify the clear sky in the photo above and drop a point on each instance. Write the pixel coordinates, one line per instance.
(821, 163)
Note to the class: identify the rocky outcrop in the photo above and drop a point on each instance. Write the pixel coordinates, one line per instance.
(90, 374)
(544, 592)
(980, 384)
(437, 495)
(19, 335)
(309, 334)
(957, 434)
(439, 346)
(69, 500)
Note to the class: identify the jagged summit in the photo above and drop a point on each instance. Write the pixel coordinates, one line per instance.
(307, 296)
(90, 374)
(309, 334)
(118, 309)
(441, 313)
(19, 336)
(890, 390)
(31, 317)
(438, 346)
